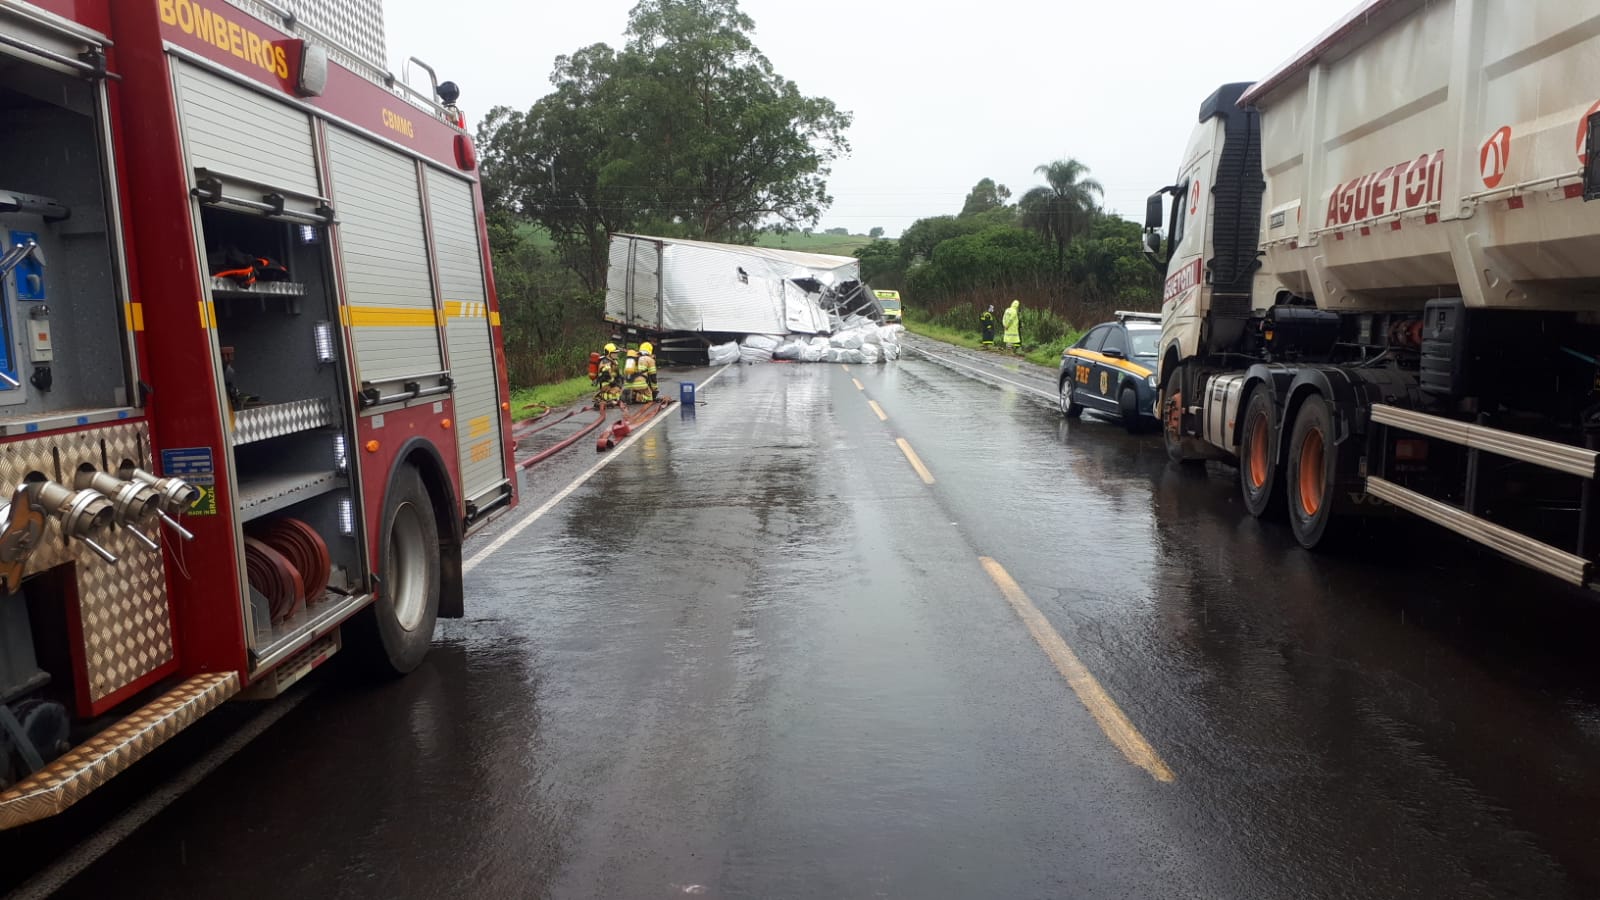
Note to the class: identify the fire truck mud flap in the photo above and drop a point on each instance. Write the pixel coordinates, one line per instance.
(91, 764)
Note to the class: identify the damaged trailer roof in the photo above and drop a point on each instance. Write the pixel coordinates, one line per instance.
(666, 284)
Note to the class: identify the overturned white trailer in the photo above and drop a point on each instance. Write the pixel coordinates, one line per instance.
(665, 286)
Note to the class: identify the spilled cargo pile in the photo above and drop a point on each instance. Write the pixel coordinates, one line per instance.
(859, 341)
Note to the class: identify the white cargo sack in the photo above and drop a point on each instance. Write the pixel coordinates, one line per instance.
(754, 355)
(870, 354)
(847, 340)
(891, 351)
(762, 342)
(869, 336)
(723, 354)
(814, 352)
(789, 349)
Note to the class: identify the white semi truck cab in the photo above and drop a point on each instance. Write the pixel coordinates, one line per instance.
(1383, 278)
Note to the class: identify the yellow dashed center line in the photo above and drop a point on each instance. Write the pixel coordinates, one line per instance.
(916, 461)
(846, 366)
(1094, 697)
(882, 416)
(858, 384)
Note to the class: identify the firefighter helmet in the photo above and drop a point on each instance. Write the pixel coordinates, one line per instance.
(647, 348)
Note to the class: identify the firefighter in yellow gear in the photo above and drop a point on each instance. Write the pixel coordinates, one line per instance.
(647, 366)
(1013, 324)
(609, 380)
(636, 388)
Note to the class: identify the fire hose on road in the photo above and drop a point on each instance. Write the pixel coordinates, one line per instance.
(519, 433)
(531, 419)
(564, 443)
(625, 425)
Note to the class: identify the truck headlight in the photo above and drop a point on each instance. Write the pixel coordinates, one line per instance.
(1151, 380)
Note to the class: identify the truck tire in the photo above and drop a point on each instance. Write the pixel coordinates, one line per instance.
(1312, 472)
(1128, 405)
(1069, 408)
(1180, 449)
(393, 635)
(1260, 476)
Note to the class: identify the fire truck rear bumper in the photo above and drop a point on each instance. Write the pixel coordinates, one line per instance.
(91, 764)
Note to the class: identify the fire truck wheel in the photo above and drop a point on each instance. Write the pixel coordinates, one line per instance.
(1311, 472)
(400, 628)
(1260, 476)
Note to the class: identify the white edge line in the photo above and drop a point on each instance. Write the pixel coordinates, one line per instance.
(948, 361)
(88, 852)
(511, 533)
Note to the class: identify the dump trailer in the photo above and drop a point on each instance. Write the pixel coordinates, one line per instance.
(1383, 279)
(681, 293)
(252, 392)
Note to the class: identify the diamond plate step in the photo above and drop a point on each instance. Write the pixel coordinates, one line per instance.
(91, 764)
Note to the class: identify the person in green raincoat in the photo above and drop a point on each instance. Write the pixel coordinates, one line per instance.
(1012, 320)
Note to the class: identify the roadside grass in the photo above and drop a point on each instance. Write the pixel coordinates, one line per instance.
(528, 401)
(1047, 354)
(944, 333)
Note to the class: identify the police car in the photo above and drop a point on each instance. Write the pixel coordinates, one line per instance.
(1112, 369)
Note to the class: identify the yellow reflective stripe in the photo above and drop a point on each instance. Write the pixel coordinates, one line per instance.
(133, 315)
(1132, 368)
(390, 317)
(478, 426)
(208, 314)
(466, 309)
(494, 318)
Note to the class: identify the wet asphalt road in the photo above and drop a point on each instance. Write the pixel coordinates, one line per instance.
(757, 656)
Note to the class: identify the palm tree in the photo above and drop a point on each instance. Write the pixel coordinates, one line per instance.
(1062, 208)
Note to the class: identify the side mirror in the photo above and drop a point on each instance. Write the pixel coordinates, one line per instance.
(1113, 353)
(1154, 212)
(1152, 243)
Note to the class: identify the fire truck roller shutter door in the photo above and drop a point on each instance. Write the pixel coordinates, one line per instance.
(467, 332)
(279, 151)
(388, 285)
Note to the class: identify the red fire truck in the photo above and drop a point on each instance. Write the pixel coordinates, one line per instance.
(252, 388)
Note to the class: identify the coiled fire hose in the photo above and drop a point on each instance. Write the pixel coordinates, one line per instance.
(288, 562)
(272, 574)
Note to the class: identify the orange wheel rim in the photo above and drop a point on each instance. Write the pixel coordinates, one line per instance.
(1311, 472)
(1258, 453)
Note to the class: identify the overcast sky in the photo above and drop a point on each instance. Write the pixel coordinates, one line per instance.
(942, 96)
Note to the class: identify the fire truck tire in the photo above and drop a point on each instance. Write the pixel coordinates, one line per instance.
(1260, 476)
(1312, 473)
(395, 633)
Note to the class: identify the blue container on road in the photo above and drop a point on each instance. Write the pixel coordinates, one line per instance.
(686, 393)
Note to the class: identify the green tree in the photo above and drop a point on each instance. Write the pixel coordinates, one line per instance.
(984, 197)
(686, 131)
(880, 261)
(1062, 208)
(876, 232)
(711, 135)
